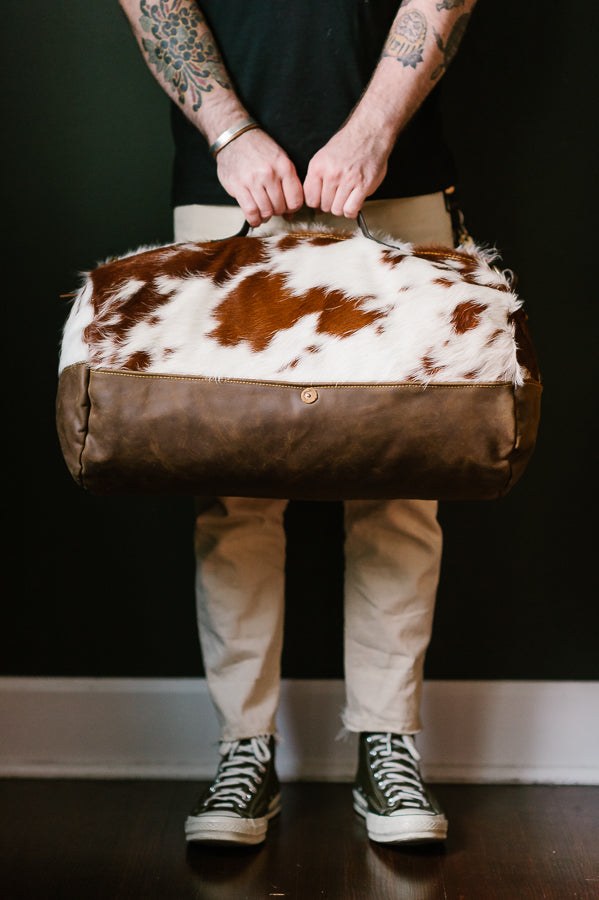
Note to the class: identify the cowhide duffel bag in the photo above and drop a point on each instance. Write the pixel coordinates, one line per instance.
(308, 364)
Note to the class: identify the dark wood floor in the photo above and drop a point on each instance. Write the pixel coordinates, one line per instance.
(110, 840)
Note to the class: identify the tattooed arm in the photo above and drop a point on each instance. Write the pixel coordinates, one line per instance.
(181, 52)
(423, 40)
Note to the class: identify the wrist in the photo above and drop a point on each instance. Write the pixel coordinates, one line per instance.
(371, 124)
(221, 117)
(231, 134)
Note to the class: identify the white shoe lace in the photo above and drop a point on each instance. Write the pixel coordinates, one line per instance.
(394, 764)
(240, 773)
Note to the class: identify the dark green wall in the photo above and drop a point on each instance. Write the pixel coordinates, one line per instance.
(105, 587)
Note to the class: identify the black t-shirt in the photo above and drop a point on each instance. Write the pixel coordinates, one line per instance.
(299, 67)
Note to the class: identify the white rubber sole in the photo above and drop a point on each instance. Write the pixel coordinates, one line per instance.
(224, 828)
(402, 828)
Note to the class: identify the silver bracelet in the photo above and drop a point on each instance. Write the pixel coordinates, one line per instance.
(231, 133)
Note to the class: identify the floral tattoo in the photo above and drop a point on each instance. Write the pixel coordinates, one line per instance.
(180, 50)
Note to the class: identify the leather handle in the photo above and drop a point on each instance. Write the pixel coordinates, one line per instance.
(361, 222)
(367, 234)
(241, 233)
(364, 227)
(245, 228)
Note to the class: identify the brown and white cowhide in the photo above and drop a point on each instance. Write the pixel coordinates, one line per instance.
(301, 307)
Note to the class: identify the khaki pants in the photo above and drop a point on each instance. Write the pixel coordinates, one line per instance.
(392, 554)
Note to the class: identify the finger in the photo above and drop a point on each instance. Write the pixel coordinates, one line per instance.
(263, 203)
(340, 199)
(276, 196)
(327, 195)
(312, 190)
(249, 207)
(293, 192)
(354, 203)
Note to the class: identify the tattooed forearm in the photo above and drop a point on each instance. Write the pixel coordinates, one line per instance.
(180, 48)
(406, 39)
(450, 47)
(423, 39)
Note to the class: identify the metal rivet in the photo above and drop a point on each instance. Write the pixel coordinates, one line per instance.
(309, 395)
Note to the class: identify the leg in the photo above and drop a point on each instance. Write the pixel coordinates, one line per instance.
(240, 548)
(393, 554)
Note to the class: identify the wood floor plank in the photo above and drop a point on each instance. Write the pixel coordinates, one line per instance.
(123, 840)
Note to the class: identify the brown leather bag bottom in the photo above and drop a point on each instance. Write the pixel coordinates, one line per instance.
(127, 433)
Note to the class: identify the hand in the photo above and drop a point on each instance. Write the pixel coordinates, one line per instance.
(261, 177)
(346, 171)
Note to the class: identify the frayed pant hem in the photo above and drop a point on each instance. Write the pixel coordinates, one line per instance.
(229, 737)
(358, 725)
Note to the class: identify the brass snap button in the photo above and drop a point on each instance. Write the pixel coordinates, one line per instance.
(309, 395)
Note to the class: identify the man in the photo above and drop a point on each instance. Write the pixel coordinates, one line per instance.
(303, 111)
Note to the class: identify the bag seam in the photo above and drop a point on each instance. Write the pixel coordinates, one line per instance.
(303, 384)
(86, 431)
(506, 487)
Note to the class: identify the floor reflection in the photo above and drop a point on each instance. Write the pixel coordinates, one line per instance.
(228, 872)
(328, 857)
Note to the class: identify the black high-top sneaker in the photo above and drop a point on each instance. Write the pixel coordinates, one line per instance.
(389, 792)
(245, 794)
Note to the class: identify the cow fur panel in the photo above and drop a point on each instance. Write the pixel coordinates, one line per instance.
(307, 307)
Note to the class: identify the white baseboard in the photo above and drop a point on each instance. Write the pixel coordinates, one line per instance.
(475, 731)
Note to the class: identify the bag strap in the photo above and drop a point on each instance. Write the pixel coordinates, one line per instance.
(367, 234)
(245, 228)
(461, 235)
